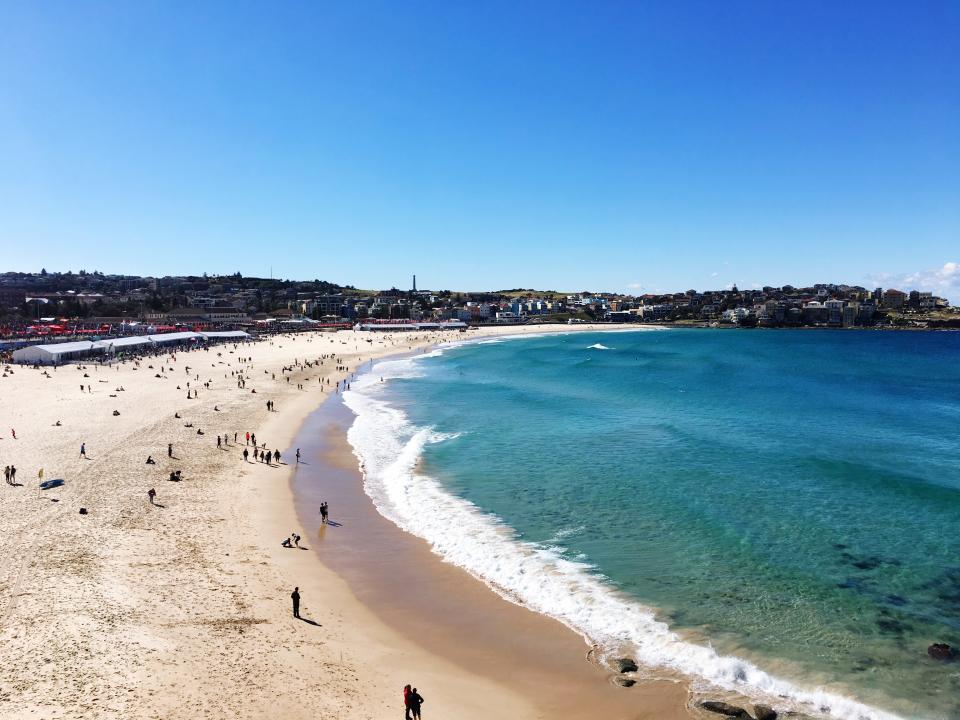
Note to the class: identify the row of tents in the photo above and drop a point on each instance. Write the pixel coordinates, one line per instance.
(56, 353)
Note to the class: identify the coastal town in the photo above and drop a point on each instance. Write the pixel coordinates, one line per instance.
(68, 304)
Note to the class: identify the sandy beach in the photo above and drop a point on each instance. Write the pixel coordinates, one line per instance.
(181, 609)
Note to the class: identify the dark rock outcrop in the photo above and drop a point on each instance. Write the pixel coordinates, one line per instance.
(764, 712)
(722, 708)
(625, 665)
(624, 681)
(942, 652)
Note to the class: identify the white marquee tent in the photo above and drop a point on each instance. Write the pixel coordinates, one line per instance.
(54, 353)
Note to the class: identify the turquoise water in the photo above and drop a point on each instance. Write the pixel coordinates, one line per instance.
(791, 498)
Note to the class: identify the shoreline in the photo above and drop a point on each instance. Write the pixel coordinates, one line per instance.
(449, 613)
(462, 686)
(758, 694)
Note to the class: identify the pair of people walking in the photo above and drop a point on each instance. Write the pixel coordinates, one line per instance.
(412, 700)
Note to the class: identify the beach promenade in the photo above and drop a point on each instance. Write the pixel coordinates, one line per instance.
(181, 608)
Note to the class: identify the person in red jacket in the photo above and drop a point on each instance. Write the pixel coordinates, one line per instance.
(407, 692)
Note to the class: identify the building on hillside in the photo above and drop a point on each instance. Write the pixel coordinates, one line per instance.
(894, 299)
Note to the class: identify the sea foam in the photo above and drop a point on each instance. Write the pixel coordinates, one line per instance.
(538, 576)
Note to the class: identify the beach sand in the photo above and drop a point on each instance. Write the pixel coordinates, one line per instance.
(182, 609)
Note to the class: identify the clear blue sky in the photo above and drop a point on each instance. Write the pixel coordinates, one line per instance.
(602, 145)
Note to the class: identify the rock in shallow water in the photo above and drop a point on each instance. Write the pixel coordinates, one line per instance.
(723, 708)
(624, 681)
(942, 652)
(763, 712)
(625, 665)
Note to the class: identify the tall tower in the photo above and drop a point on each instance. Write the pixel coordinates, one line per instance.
(414, 283)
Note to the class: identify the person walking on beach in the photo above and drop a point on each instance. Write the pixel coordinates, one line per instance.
(416, 700)
(245, 455)
(248, 438)
(169, 449)
(298, 456)
(6, 474)
(83, 450)
(151, 495)
(324, 509)
(219, 441)
(295, 596)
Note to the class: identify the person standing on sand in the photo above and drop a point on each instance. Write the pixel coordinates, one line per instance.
(298, 456)
(151, 494)
(83, 450)
(245, 455)
(407, 692)
(295, 596)
(416, 700)
(169, 449)
(324, 509)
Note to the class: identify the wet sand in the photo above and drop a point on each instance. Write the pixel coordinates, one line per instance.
(444, 609)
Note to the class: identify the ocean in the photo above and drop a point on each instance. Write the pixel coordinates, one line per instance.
(771, 512)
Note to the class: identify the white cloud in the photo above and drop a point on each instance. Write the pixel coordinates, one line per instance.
(714, 274)
(943, 281)
(635, 286)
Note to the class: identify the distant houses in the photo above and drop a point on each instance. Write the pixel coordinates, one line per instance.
(87, 303)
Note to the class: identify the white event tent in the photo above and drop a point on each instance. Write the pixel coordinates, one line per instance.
(56, 353)
(52, 354)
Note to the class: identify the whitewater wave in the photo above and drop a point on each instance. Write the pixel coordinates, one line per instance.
(598, 346)
(538, 576)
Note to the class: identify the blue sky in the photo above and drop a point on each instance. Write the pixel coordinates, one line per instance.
(607, 146)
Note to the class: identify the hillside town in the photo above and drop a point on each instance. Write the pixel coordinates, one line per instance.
(70, 303)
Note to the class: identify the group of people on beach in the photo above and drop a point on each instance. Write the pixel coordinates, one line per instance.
(411, 697)
(263, 456)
